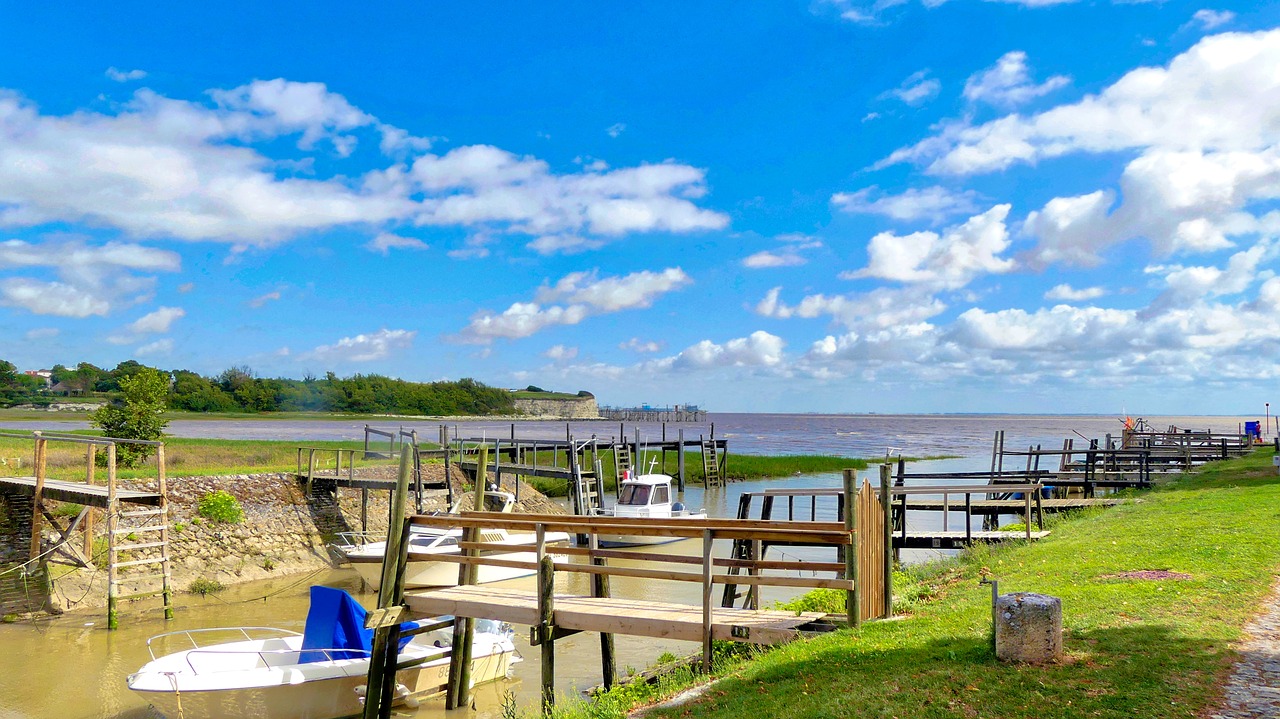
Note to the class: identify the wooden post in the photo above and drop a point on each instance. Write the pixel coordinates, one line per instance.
(600, 590)
(482, 469)
(886, 504)
(680, 462)
(707, 564)
(113, 507)
(37, 502)
(311, 469)
(166, 590)
(459, 688)
(385, 650)
(853, 596)
(91, 460)
(546, 630)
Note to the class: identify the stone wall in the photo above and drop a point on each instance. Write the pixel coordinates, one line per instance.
(576, 408)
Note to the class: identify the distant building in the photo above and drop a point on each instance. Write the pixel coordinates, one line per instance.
(43, 374)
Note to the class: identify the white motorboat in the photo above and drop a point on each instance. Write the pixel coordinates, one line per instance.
(424, 569)
(648, 495)
(319, 674)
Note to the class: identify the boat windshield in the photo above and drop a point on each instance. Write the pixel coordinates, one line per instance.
(425, 542)
(495, 502)
(634, 495)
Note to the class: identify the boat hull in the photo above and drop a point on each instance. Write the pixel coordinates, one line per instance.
(318, 699)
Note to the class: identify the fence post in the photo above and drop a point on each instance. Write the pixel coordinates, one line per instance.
(886, 505)
(853, 598)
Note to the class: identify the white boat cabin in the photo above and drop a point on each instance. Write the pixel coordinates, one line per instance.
(648, 495)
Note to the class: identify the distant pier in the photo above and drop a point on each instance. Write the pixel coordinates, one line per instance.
(645, 413)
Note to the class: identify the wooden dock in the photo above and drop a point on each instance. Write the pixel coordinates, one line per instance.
(633, 617)
(88, 495)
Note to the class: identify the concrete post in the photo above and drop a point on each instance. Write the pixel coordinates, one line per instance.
(1028, 628)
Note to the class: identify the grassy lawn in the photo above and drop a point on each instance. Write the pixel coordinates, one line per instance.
(1135, 647)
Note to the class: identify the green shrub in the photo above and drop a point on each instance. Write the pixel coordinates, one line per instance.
(204, 586)
(178, 527)
(220, 507)
(67, 509)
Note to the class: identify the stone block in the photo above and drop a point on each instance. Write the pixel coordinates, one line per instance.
(1028, 628)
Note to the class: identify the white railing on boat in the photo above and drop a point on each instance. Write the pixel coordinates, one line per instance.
(244, 631)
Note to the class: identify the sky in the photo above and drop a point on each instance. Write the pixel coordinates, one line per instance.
(827, 206)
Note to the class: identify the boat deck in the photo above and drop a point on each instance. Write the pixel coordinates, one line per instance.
(634, 617)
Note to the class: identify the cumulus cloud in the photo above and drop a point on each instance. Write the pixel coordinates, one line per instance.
(581, 294)
(790, 254)
(159, 347)
(759, 349)
(1008, 83)
(162, 167)
(384, 242)
(91, 279)
(1212, 19)
(880, 308)
(1067, 293)
(152, 323)
(935, 204)
(560, 353)
(949, 260)
(635, 344)
(127, 75)
(616, 129)
(917, 89)
(363, 347)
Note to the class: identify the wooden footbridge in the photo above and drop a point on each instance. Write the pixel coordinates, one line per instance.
(862, 572)
(137, 527)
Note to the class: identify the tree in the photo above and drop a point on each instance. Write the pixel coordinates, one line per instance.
(139, 415)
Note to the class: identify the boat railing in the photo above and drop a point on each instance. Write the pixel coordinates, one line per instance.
(190, 635)
(265, 657)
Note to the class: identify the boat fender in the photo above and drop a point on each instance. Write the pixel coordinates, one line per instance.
(677, 507)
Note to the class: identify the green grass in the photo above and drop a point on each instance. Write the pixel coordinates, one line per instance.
(1150, 648)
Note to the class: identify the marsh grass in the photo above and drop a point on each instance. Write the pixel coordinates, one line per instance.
(67, 460)
(1137, 647)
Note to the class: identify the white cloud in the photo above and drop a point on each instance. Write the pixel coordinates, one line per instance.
(1212, 19)
(157, 322)
(759, 349)
(1221, 94)
(363, 348)
(612, 294)
(949, 260)
(91, 280)
(125, 75)
(880, 308)
(159, 347)
(560, 353)
(1008, 83)
(1067, 293)
(789, 255)
(42, 333)
(583, 293)
(917, 89)
(160, 167)
(564, 244)
(616, 129)
(635, 344)
(384, 242)
(935, 204)
(263, 299)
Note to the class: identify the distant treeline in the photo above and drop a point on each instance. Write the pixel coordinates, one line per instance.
(238, 390)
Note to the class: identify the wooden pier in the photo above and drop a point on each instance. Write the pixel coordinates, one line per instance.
(137, 522)
(678, 413)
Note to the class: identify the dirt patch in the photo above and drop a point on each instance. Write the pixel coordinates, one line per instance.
(1148, 574)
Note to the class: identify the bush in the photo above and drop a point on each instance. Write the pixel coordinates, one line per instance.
(204, 586)
(220, 507)
(139, 415)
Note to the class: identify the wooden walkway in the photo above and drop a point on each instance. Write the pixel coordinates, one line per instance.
(959, 539)
(634, 617)
(1009, 506)
(89, 495)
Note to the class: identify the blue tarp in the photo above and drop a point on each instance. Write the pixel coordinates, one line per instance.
(336, 621)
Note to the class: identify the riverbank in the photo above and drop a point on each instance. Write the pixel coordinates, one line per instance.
(1155, 596)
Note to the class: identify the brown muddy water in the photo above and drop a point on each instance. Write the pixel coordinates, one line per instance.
(71, 667)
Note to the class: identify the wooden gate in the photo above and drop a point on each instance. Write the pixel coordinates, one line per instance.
(869, 522)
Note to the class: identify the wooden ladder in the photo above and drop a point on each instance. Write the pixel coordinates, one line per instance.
(711, 464)
(622, 459)
(148, 535)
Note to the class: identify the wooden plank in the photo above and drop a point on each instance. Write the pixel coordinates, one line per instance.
(619, 616)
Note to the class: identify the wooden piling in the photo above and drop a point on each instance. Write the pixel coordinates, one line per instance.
(600, 590)
(380, 682)
(166, 591)
(853, 598)
(113, 510)
(707, 565)
(886, 504)
(91, 460)
(546, 630)
(37, 501)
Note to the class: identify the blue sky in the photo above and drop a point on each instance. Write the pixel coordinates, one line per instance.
(830, 206)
